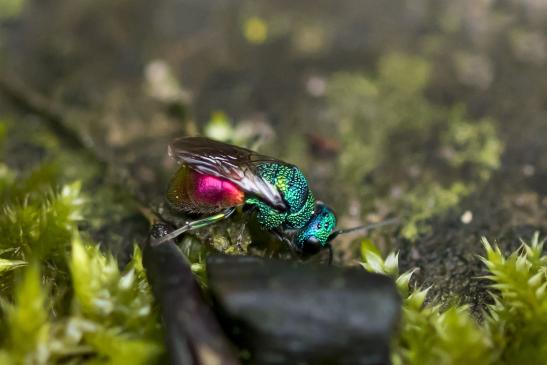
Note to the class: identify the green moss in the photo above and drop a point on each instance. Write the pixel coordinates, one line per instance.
(471, 143)
(72, 304)
(219, 127)
(3, 132)
(107, 296)
(119, 304)
(40, 224)
(111, 319)
(425, 201)
(11, 8)
(395, 139)
(27, 322)
(515, 329)
(404, 74)
(427, 335)
(518, 318)
(36, 222)
(7, 265)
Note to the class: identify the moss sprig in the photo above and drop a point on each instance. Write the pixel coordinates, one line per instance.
(108, 296)
(27, 322)
(111, 319)
(37, 219)
(71, 302)
(514, 331)
(517, 319)
(427, 334)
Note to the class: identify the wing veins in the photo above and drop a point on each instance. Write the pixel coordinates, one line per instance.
(239, 165)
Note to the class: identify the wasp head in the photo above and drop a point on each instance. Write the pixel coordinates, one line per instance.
(315, 234)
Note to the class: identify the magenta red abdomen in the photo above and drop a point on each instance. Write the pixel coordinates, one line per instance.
(191, 191)
(212, 190)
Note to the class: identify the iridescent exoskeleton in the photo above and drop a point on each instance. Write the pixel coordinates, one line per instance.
(215, 178)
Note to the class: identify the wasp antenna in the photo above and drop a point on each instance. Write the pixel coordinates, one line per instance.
(364, 228)
(330, 254)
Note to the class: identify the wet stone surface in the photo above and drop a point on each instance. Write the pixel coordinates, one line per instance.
(284, 312)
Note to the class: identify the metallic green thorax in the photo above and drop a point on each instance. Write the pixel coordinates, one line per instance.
(292, 184)
(311, 220)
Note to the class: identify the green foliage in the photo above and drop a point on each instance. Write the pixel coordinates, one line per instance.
(471, 143)
(7, 265)
(124, 327)
(39, 181)
(27, 322)
(219, 127)
(370, 111)
(405, 74)
(36, 219)
(515, 329)
(429, 336)
(7, 177)
(76, 306)
(390, 131)
(107, 296)
(10, 8)
(111, 319)
(425, 201)
(518, 317)
(3, 133)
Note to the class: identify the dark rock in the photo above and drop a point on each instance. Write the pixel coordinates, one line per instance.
(289, 313)
(193, 335)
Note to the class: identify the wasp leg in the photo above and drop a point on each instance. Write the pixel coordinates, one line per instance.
(192, 225)
(239, 238)
(295, 252)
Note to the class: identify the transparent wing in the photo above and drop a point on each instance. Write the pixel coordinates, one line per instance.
(237, 164)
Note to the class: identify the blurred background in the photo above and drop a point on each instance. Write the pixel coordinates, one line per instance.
(431, 111)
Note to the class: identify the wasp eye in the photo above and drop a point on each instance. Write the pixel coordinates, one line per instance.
(311, 246)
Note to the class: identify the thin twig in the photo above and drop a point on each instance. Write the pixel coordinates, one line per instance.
(34, 102)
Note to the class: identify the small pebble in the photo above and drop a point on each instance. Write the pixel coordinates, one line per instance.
(467, 217)
(528, 170)
(316, 86)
